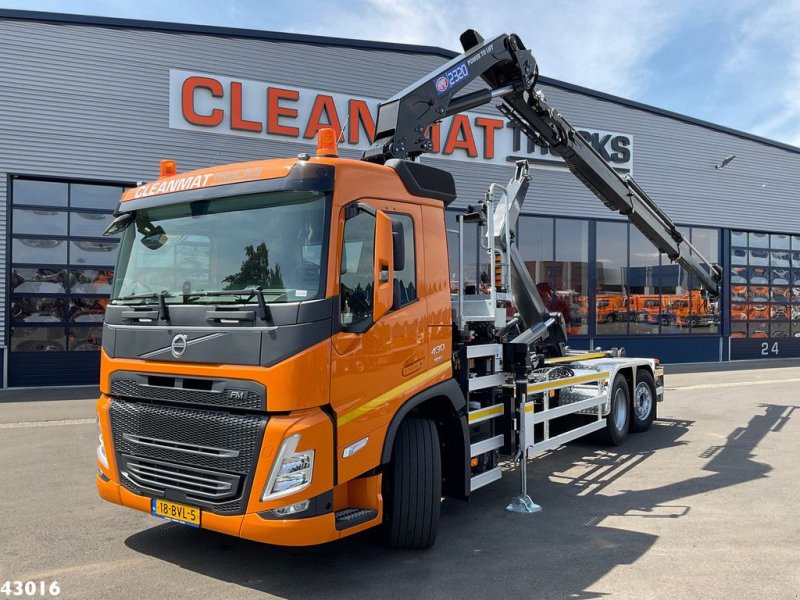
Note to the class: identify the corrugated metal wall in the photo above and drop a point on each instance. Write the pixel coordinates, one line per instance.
(92, 102)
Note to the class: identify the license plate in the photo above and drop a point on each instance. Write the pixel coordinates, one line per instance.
(172, 511)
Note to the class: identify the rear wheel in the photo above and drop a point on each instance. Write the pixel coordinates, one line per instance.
(414, 486)
(619, 417)
(644, 401)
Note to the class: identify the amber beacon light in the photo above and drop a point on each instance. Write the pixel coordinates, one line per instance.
(168, 168)
(326, 142)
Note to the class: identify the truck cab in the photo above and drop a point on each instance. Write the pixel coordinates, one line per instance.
(267, 320)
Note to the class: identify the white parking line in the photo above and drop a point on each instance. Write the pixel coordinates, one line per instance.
(24, 424)
(703, 386)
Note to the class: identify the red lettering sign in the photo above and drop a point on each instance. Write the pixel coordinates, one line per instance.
(237, 122)
(322, 103)
(460, 136)
(275, 111)
(187, 101)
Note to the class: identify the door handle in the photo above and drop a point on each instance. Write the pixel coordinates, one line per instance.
(412, 365)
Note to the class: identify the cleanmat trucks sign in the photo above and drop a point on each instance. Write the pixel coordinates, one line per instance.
(235, 106)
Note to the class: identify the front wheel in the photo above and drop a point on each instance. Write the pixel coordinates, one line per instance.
(644, 401)
(414, 481)
(619, 417)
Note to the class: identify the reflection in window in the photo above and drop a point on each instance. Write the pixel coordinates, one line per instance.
(90, 281)
(612, 263)
(26, 309)
(93, 253)
(38, 281)
(42, 221)
(644, 287)
(704, 312)
(105, 197)
(89, 224)
(572, 274)
(83, 339)
(407, 277)
(357, 279)
(37, 339)
(39, 250)
(476, 260)
(39, 193)
(87, 310)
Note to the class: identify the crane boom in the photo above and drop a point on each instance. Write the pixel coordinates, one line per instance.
(510, 71)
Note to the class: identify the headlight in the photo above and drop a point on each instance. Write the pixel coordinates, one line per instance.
(291, 472)
(101, 447)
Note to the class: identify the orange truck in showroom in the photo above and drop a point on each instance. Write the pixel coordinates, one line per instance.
(283, 359)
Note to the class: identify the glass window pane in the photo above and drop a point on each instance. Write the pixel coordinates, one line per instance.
(738, 238)
(796, 242)
(780, 276)
(89, 224)
(779, 259)
(704, 313)
(39, 220)
(39, 193)
(94, 196)
(738, 256)
(85, 338)
(612, 267)
(38, 281)
(407, 277)
(738, 330)
(39, 250)
(779, 330)
(643, 285)
(759, 258)
(357, 275)
(796, 259)
(779, 242)
(37, 310)
(93, 253)
(475, 258)
(38, 339)
(87, 310)
(572, 274)
(759, 275)
(739, 275)
(758, 330)
(758, 240)
(90, 281)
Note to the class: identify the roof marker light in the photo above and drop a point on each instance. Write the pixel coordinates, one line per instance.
(168, 168)
(326, 142)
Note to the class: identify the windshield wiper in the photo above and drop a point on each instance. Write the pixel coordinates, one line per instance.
(257, 292)
(163, 311)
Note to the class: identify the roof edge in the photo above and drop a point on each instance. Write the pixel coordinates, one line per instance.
(276, 36)
(298, 38)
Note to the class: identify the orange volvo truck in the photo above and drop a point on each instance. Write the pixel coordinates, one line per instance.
(283, 359)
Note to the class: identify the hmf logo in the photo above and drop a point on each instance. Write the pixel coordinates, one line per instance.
(225, 105)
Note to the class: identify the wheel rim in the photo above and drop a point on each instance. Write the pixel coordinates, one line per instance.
(644, 400)
(620, 409)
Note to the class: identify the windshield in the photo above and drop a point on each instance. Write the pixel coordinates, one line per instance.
(202, 251)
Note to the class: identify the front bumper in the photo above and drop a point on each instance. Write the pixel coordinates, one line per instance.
(307, 531)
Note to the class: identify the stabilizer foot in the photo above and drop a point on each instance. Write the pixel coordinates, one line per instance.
(523, 504)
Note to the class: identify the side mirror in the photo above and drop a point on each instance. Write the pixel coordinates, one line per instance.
(398, 245)
(383, 292)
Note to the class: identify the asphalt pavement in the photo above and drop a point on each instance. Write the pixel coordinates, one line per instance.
(701, 506)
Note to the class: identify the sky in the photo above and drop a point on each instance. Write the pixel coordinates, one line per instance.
(735, 63)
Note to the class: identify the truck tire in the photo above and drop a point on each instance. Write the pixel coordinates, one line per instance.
(619, 417)
(414, 493)
(644, 401)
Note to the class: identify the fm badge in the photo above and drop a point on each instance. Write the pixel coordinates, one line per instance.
(179, 343)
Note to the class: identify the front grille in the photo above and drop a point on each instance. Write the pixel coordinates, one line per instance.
(203, 457)
(228, 398)
(195, 483)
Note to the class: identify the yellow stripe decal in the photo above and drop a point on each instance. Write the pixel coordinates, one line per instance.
(393, 393)
(560, 383)
(566, 359)
(485, 412)
(529, 407)
(659, 372)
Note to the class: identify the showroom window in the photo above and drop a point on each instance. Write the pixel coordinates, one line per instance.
(61, 265)
(765, 285)
(640, 292)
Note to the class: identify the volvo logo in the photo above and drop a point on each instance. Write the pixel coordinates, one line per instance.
(179, 343)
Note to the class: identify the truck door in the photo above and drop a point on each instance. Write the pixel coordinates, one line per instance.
(375, 362)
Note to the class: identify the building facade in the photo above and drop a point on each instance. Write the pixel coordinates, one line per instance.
(91, 105)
